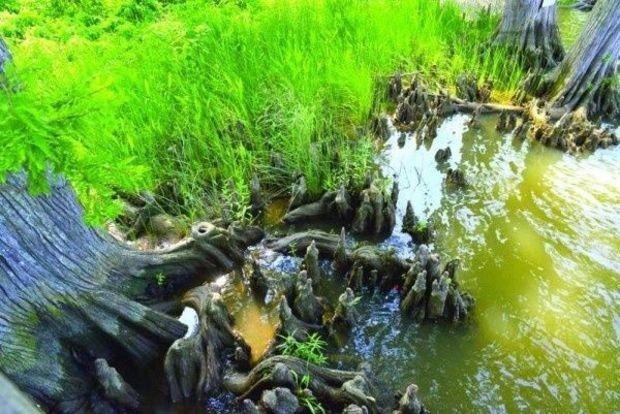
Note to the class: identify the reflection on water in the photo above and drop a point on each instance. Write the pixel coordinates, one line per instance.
(255, 322)
(257, 326)
(538, 234)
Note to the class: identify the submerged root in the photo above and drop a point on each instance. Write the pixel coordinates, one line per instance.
(456, 178)
(420, 231)
(409, 402)
(430, 294)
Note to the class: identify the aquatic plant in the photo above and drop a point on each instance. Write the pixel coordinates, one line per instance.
(308, 400)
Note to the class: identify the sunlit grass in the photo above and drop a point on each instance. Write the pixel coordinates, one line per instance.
(179, 97)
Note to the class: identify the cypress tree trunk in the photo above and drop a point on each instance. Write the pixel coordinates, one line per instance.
(529, 27)
(13, 401)
(73, 299)
(587, 78)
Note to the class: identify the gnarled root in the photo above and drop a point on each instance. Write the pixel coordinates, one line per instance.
(193, 364)
(388, 265)
(73, 295)
(467, 88)
(311, 263)
(291, 325)
(420, 111)
(335, 387)
(429, 293)
(269, 285)
(571, 133)
(376, 213)
(372, 211)
(118, 394)
(419, 231)
(297, 243)
(344, 316)
(299, 193)
(409, 402)
(306, 305)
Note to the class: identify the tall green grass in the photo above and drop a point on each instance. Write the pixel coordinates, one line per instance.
(185, 97)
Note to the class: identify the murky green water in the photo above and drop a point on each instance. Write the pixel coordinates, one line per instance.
(538, 236)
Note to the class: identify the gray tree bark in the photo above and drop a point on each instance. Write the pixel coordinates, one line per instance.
(13, 401)
(531, 30)
(588, 76)
(71, 295)
(5, 55)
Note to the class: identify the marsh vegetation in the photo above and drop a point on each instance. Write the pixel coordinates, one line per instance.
(309, 206)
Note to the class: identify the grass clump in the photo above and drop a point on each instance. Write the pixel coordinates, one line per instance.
(311, 350)
(179, 97)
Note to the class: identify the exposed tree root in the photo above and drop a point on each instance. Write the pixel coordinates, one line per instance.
(291, 325)
(371, 211)
(334, 387)
(193, 364)
(419, 231)
(467, 88)
(430, 293)
(420, 111)
(72, 295)
(572, 133)
(427, 292)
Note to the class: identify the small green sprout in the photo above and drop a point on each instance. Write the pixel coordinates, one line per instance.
(160, 279)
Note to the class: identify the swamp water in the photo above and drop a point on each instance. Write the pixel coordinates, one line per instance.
(537, 233)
